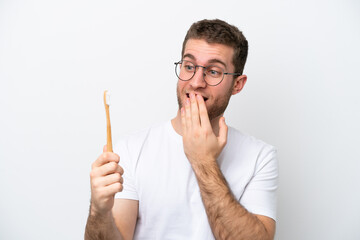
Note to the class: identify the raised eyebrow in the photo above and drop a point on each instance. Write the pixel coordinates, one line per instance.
(188, 55)
(214, 60)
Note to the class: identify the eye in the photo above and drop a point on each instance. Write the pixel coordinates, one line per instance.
(214, 72)
(188, 67)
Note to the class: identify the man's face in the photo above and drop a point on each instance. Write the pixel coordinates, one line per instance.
(202, 53)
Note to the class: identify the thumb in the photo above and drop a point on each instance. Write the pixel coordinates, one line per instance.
(105, 148)
(223, 131)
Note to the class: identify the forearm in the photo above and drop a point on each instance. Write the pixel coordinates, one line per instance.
(101, 227)
(227, 218)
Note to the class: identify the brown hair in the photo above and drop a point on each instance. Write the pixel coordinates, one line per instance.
(218, 31)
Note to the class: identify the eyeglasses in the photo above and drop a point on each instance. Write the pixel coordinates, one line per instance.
(213, 75)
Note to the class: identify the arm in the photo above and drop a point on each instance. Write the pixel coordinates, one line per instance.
(125, 212)
(227, 218)
(101, 227)
(118, 224)
(109, 218)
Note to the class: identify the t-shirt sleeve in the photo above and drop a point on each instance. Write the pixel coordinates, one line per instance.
(129, 187)
(259, 196)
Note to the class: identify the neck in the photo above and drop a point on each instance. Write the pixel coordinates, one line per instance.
(176, 123)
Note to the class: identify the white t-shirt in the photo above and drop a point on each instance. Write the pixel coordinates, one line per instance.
(158, 175)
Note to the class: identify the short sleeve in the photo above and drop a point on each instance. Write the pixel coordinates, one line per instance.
(259, 196)
(129, 186)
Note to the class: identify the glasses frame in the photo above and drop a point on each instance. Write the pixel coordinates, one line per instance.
(198, 66)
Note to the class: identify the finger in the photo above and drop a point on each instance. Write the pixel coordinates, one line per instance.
(183, 120)
(194, 111)
(113, 189)
(187, 114)
(223, 131)
(204, 117)
(119, 169)
(106, 169)
(105, 158)
(107, 180)
(105, 148)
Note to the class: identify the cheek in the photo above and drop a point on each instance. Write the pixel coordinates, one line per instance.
(181, 86)
(219, 95)
(180, 90)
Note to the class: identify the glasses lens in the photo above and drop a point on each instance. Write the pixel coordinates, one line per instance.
(185, 70)
(214, 75)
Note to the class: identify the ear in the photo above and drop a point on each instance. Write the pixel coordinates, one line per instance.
(239, 83)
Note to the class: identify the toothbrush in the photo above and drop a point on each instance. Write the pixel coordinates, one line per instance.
(108, 125)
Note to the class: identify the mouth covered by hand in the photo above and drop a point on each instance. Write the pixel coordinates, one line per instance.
(205, 98)
(201, 145)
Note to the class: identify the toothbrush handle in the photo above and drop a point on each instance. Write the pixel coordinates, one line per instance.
(108, 130)
(108, 125)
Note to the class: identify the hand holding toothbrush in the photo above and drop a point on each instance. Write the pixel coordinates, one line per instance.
(106, 174)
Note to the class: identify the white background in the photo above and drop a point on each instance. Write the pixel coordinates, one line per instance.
(57, 57)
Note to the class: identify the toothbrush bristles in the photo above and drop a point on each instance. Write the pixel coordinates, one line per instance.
(108, 98)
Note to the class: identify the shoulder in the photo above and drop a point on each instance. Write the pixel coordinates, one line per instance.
(237, 138)
(251, 149)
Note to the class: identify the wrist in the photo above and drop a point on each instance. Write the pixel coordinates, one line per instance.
(100, 214)
(204, 166)
(201, 160)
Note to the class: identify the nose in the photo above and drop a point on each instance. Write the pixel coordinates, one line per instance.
(197, 81)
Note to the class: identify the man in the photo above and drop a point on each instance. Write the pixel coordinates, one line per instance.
(191, 177)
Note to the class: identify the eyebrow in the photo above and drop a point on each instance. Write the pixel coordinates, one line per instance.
(214, 60)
